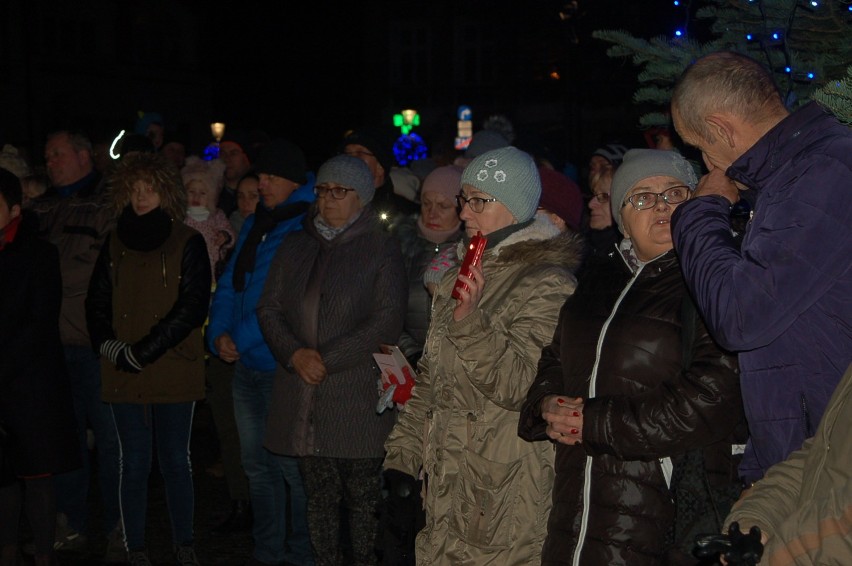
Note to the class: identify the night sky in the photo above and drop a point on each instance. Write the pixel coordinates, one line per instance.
(303, 69)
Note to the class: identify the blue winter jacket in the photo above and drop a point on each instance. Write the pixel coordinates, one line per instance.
(784, 300)
(233, 312)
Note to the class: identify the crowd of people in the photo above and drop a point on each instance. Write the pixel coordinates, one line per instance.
(622, 369)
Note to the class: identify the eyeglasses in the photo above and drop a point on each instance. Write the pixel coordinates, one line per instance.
(476, 204)
(672, 195)
(338, 193)
(602, 198)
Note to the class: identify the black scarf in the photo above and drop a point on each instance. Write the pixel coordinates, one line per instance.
(143, 233)
(264, 221)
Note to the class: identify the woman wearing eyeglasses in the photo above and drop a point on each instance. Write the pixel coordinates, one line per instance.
(487, 492)
(631, 381)
(334, 293)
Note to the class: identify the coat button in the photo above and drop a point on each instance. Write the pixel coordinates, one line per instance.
(124, 316)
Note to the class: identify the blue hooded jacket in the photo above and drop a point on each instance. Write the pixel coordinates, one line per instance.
(234, 312)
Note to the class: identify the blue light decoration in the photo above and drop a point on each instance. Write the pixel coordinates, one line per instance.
(677, 2)
(409, 147)
(788, 70)
(678, 33)
(814, 3)
(776, 36)
(749, 37)
(211, 152)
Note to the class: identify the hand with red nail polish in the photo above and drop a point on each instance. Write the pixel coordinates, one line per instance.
(564, 417)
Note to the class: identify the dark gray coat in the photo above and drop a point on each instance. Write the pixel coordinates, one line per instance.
(344, 298)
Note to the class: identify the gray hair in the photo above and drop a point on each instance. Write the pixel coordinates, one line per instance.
(728, 82)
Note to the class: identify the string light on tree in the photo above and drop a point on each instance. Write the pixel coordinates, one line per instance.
(805, 42)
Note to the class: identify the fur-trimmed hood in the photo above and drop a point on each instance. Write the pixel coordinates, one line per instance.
(539, 243)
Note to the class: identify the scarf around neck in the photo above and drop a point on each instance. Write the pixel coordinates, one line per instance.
(437, 236)
(264, 221)
(143, 233)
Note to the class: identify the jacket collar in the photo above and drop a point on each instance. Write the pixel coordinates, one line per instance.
(780, 144)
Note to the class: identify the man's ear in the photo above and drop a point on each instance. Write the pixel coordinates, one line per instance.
(15, 211)
(722, 127)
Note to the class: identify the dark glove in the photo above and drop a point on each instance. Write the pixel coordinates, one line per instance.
(126, 361)
(402, 516)
(399, 484)
(738, 549)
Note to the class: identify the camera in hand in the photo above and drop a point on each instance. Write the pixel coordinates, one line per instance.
(475, 249)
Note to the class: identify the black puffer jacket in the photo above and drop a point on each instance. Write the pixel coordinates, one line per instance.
(642, 406)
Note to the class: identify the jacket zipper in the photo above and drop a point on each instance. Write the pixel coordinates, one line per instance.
(587, 477)
(163, 260)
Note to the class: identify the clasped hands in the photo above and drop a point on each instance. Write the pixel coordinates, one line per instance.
(308, 364)
(564, 417)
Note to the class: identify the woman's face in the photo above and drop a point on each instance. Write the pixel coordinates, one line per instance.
(600, 215)
(197, 193)
(438, 211)
(494, 215)
(144, 198)
(337, 212)
(247, 196)
(650, 229)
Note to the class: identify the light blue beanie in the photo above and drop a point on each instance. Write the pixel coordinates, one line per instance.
(350, 172)
(509, 175)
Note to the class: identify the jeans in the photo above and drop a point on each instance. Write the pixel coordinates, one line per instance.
(72, 488)
(220, 399)
(137, 425)
(269, 476)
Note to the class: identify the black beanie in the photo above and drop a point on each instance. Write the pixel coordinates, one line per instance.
(378, 144)
(282, 158)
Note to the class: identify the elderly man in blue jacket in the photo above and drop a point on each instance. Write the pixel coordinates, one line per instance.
(782, 299)
(286, 191)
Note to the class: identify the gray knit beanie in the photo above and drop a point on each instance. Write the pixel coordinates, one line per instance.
(640, 164)
(509, 175)
(350, 172)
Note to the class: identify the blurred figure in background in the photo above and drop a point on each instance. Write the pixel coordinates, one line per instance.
(247, 199)
(424, 236)
(76, 218)
(203, 182)
(38, 437)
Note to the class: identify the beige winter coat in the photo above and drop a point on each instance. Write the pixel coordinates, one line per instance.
(488, 492)
(804, 503)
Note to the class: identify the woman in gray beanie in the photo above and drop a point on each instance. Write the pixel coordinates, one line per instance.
(487, 492)
(631, 382)
(334, 293)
